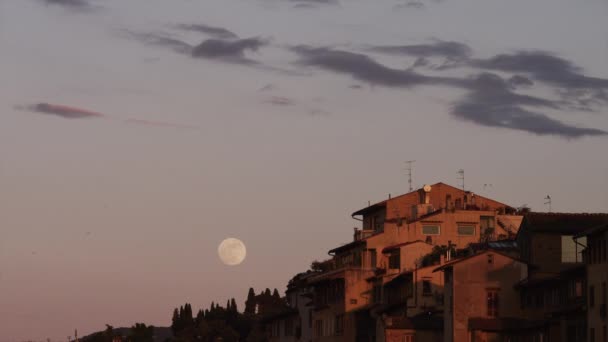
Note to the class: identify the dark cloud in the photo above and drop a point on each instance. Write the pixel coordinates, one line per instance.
(445, 49)
(544, 67)
(584, 92)
(520, 81)
(215, 32)
(80, 5)
(268, 87)
(364, 68)
(491, 102)
(224, 50)
(280, 101)
(63, 111)
(228, 50)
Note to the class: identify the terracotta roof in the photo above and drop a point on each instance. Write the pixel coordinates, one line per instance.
(563, 223)
(439, 184)
(457, 261)
(399, 245)
(347, 246)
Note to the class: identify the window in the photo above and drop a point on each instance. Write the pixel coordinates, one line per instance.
(591, 335)
(492, 303)
(591, 296)
(430, 230)
(310, 318)
(604, 293)
(604, 337)
(486, 227)
(339, 325)
(318, 328)
(408, 338)
(427, 288)
(569, 249)
(394, 260)
(466, 230)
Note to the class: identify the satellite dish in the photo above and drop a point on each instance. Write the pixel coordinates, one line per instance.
(426, 188)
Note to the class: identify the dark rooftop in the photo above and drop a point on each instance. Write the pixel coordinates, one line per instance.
(563, 223)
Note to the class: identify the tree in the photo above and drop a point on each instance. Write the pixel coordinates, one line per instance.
(141, 333)
(233, 305)
(175, 322)
(250, 303)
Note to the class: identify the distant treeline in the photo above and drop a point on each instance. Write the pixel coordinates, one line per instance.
(208, 325)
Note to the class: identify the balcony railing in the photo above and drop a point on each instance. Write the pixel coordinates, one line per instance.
(361, 234)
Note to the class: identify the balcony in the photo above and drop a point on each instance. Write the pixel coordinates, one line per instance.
(361, 234)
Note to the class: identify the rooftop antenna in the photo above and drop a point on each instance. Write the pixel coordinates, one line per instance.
(548, 202)
(409, 173)
(461, 177)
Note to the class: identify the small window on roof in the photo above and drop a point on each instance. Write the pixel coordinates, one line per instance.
(431, 230)
(468, 230)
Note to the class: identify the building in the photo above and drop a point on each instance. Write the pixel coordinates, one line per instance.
(481, 303)
(293, 323)
(357, 294)
(554, 290)
(596, 260)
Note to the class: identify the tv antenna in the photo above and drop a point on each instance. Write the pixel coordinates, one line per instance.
(461, 177)
(548, 202)
(409, 173)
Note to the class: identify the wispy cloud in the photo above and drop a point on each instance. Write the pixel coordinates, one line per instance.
(79, 5)
(410, 4)
(583, 92)
(228, 50)
(70, 112)
(280, 101)
(67, 112)
(490, 100)
(212, 31)
(364, 68)
(223, 50)
(452, 52)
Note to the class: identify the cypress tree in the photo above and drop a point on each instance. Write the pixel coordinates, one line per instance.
(250, 302)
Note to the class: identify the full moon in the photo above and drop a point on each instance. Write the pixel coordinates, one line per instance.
(232, 251)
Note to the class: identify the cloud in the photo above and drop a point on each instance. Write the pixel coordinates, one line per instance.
(228, 50)
(492, 103)
(280, 101)
(158, 123)
(490, 100)
(446, 49)
(80, 5)
(364, 68)
(63, 111)
(412, 4)
(224, 50)
(215, 32)
(268, 87)
(69, 112)
(583, 92)
(520, 81)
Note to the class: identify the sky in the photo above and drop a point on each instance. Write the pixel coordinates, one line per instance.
(137, 135)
